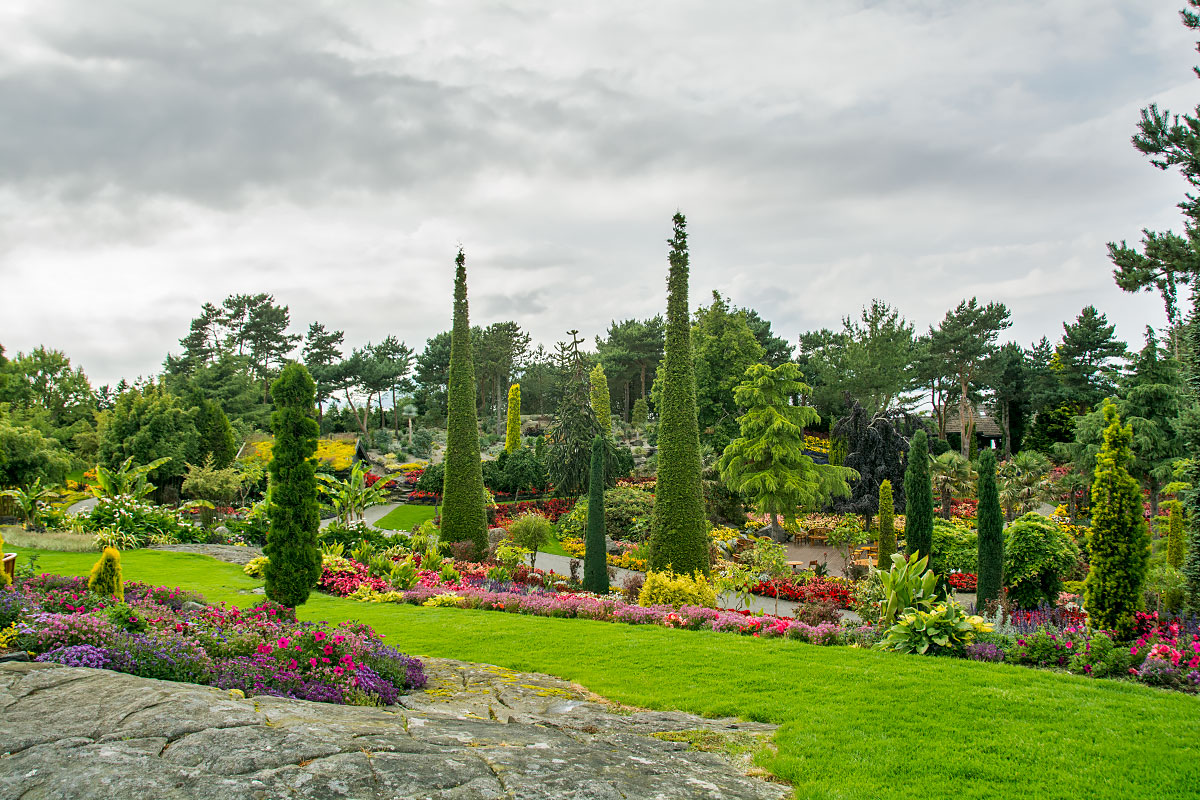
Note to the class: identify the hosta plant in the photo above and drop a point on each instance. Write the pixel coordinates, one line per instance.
(946, 628)
(908, 586)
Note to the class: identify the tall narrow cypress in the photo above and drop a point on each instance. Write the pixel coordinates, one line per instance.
(595, 556)
(991, 532)
(678, 530)
(887, 525)
(463, 515)
(512, 434)
(918, 498)
(1118, 541)
(294, 563)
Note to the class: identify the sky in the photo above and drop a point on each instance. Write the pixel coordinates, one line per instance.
(156, 156)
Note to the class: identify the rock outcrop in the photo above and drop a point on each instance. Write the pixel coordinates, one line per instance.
(476, 732)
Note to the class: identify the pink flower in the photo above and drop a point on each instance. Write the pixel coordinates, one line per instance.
(264, 649)
(292, 664)
(328, 650)
(319, 636)
(283, 643)
(338, 671)
(339, 639)
(324, 660)
(312, 662)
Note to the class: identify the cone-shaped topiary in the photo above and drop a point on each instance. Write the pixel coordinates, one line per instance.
(512, 434)
(918, 498)
(601, 402)
(105, 579)
(464, 518)
(294, 563)
(991, 532)
(1118, 541)
(887, 525)
(595, 557)
(679, 528)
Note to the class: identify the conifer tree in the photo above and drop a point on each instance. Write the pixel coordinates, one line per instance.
(641, 413)
(601, 402)
(464, 517)
(1175, 547)
(294, 559)
(215, 434)
(1118, 541)
(767, 464)
(679, 528)
(991, 532)
(595, 557)
(887, 525)
(512, 435)
(918, 498)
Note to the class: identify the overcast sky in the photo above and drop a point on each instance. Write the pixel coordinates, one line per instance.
(155, 156)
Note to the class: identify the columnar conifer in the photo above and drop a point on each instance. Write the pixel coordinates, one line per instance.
(601, 402)
(887, 525)
(1175, 548)
(1118, 542)
(463, 515)
(512, 434)
(918, 497)
(678, 532)
(294, 559)
(641, 413)
(595, 557)
(991, 532)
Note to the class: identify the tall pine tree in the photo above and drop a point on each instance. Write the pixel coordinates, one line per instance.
(294, 560)
(463, 515)
(595, 556)
(918, 497)
(1118, 541)
(991, 532)
(679, 528)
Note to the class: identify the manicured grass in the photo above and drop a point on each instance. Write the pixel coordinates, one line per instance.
(554, 547)
(854, 723)
(403, 518)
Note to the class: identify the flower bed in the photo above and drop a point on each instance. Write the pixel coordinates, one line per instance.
(834, 591)
(962, 581)
(552, 509)
(259, 651)
(587, 606)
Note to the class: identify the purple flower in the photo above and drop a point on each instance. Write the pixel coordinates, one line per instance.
(78, 655)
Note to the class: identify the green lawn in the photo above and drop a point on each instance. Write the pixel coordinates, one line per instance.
(854, 723)
(403, 518)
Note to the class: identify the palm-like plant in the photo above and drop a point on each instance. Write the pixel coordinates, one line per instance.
(29, 500)
(126, 479)
(952, 474)
(351, 497)
(1024, 482)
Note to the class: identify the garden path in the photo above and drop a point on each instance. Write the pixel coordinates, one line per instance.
(371, 515)
(86, 504)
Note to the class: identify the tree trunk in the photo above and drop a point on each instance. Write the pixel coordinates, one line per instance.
(1004, 416)
(1153, 498)
(946, 501)
(362, 421)
(501, 422)
(628, 408)
(964, 406)
(643, 379)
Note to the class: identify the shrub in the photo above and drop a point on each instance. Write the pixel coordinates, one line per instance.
(632, 587)
(816, 613)
(955, 548)
(1101, 657)
(512, 430)
(105, 578)
(887, 524)
(641, 413)
(984, 651)
(627, 512)
(1037, 554)
(907, 586)
(669, 589)
(531, 531)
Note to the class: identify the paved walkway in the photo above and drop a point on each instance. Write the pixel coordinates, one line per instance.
(371, 515)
